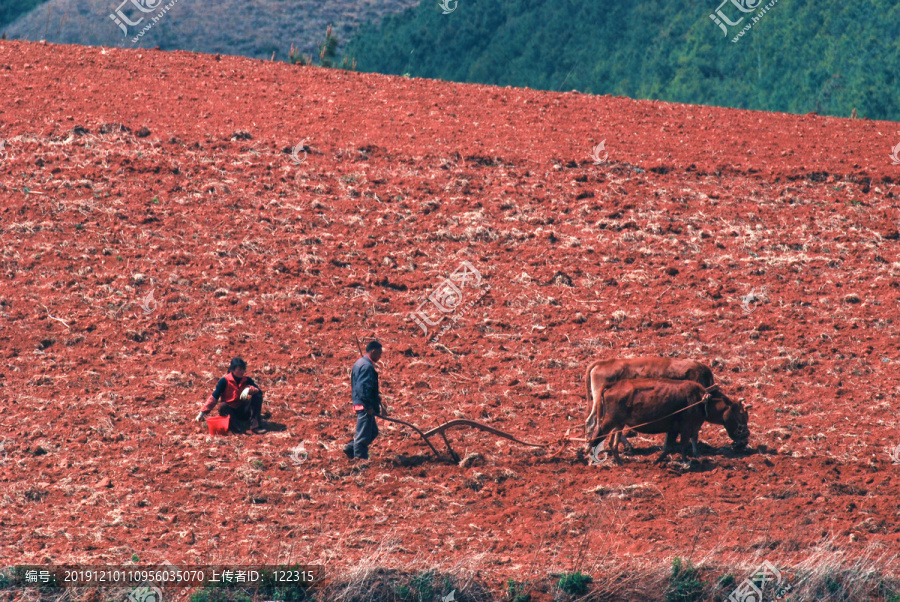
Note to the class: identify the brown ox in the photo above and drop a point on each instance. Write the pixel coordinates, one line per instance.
(673, 407)
(603, 373)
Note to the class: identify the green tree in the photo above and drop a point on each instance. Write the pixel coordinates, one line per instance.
(328, 55)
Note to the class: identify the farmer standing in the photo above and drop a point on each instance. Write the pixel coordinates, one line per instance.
(241, 398)
(366, 401)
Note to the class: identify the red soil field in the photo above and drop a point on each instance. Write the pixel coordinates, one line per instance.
(763, 244)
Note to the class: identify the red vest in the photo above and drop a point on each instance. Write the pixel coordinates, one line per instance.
(233, 389)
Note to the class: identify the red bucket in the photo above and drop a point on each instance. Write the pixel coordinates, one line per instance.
(218, 425)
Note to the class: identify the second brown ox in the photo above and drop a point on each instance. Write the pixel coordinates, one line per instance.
(673, 407)
(602, 374)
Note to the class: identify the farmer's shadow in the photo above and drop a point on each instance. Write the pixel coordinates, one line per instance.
(402, 460)
(274, 427)
(243, 427)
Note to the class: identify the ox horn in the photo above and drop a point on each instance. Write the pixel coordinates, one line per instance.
(712, 388)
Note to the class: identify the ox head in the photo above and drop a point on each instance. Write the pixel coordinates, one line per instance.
(735, 417)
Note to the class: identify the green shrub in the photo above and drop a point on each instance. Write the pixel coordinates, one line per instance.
(684, 585)
(515, 592)
(328, 56)
(295, 58)
(574, 583)
(422, 585)
(726, 580)
(403, 592)
(220, 595)
(328, 49)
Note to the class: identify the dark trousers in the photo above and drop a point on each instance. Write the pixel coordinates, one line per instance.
(366, 431)
(251, 410)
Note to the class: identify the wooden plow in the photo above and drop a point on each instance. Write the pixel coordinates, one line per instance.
(440, 430)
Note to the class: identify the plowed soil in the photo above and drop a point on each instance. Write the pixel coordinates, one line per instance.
(156, 222)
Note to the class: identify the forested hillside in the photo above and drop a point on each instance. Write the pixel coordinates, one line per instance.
(800, 56)
(10, 10)
(252, 28)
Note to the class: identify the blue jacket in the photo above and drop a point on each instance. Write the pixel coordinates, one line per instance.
(364, 384)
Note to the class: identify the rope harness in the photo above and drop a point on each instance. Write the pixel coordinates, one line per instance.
(600, 438)
(439, 430)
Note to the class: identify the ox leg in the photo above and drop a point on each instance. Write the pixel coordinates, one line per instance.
(689, 443)
(607, 428)
(614, 445)
(614, 440)
(668, 446)
(626, 444)
(609, 432)
(595, 446)
(592, 423)
(591, 442)
(594, 438)
(600, 430)
(589, 424)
